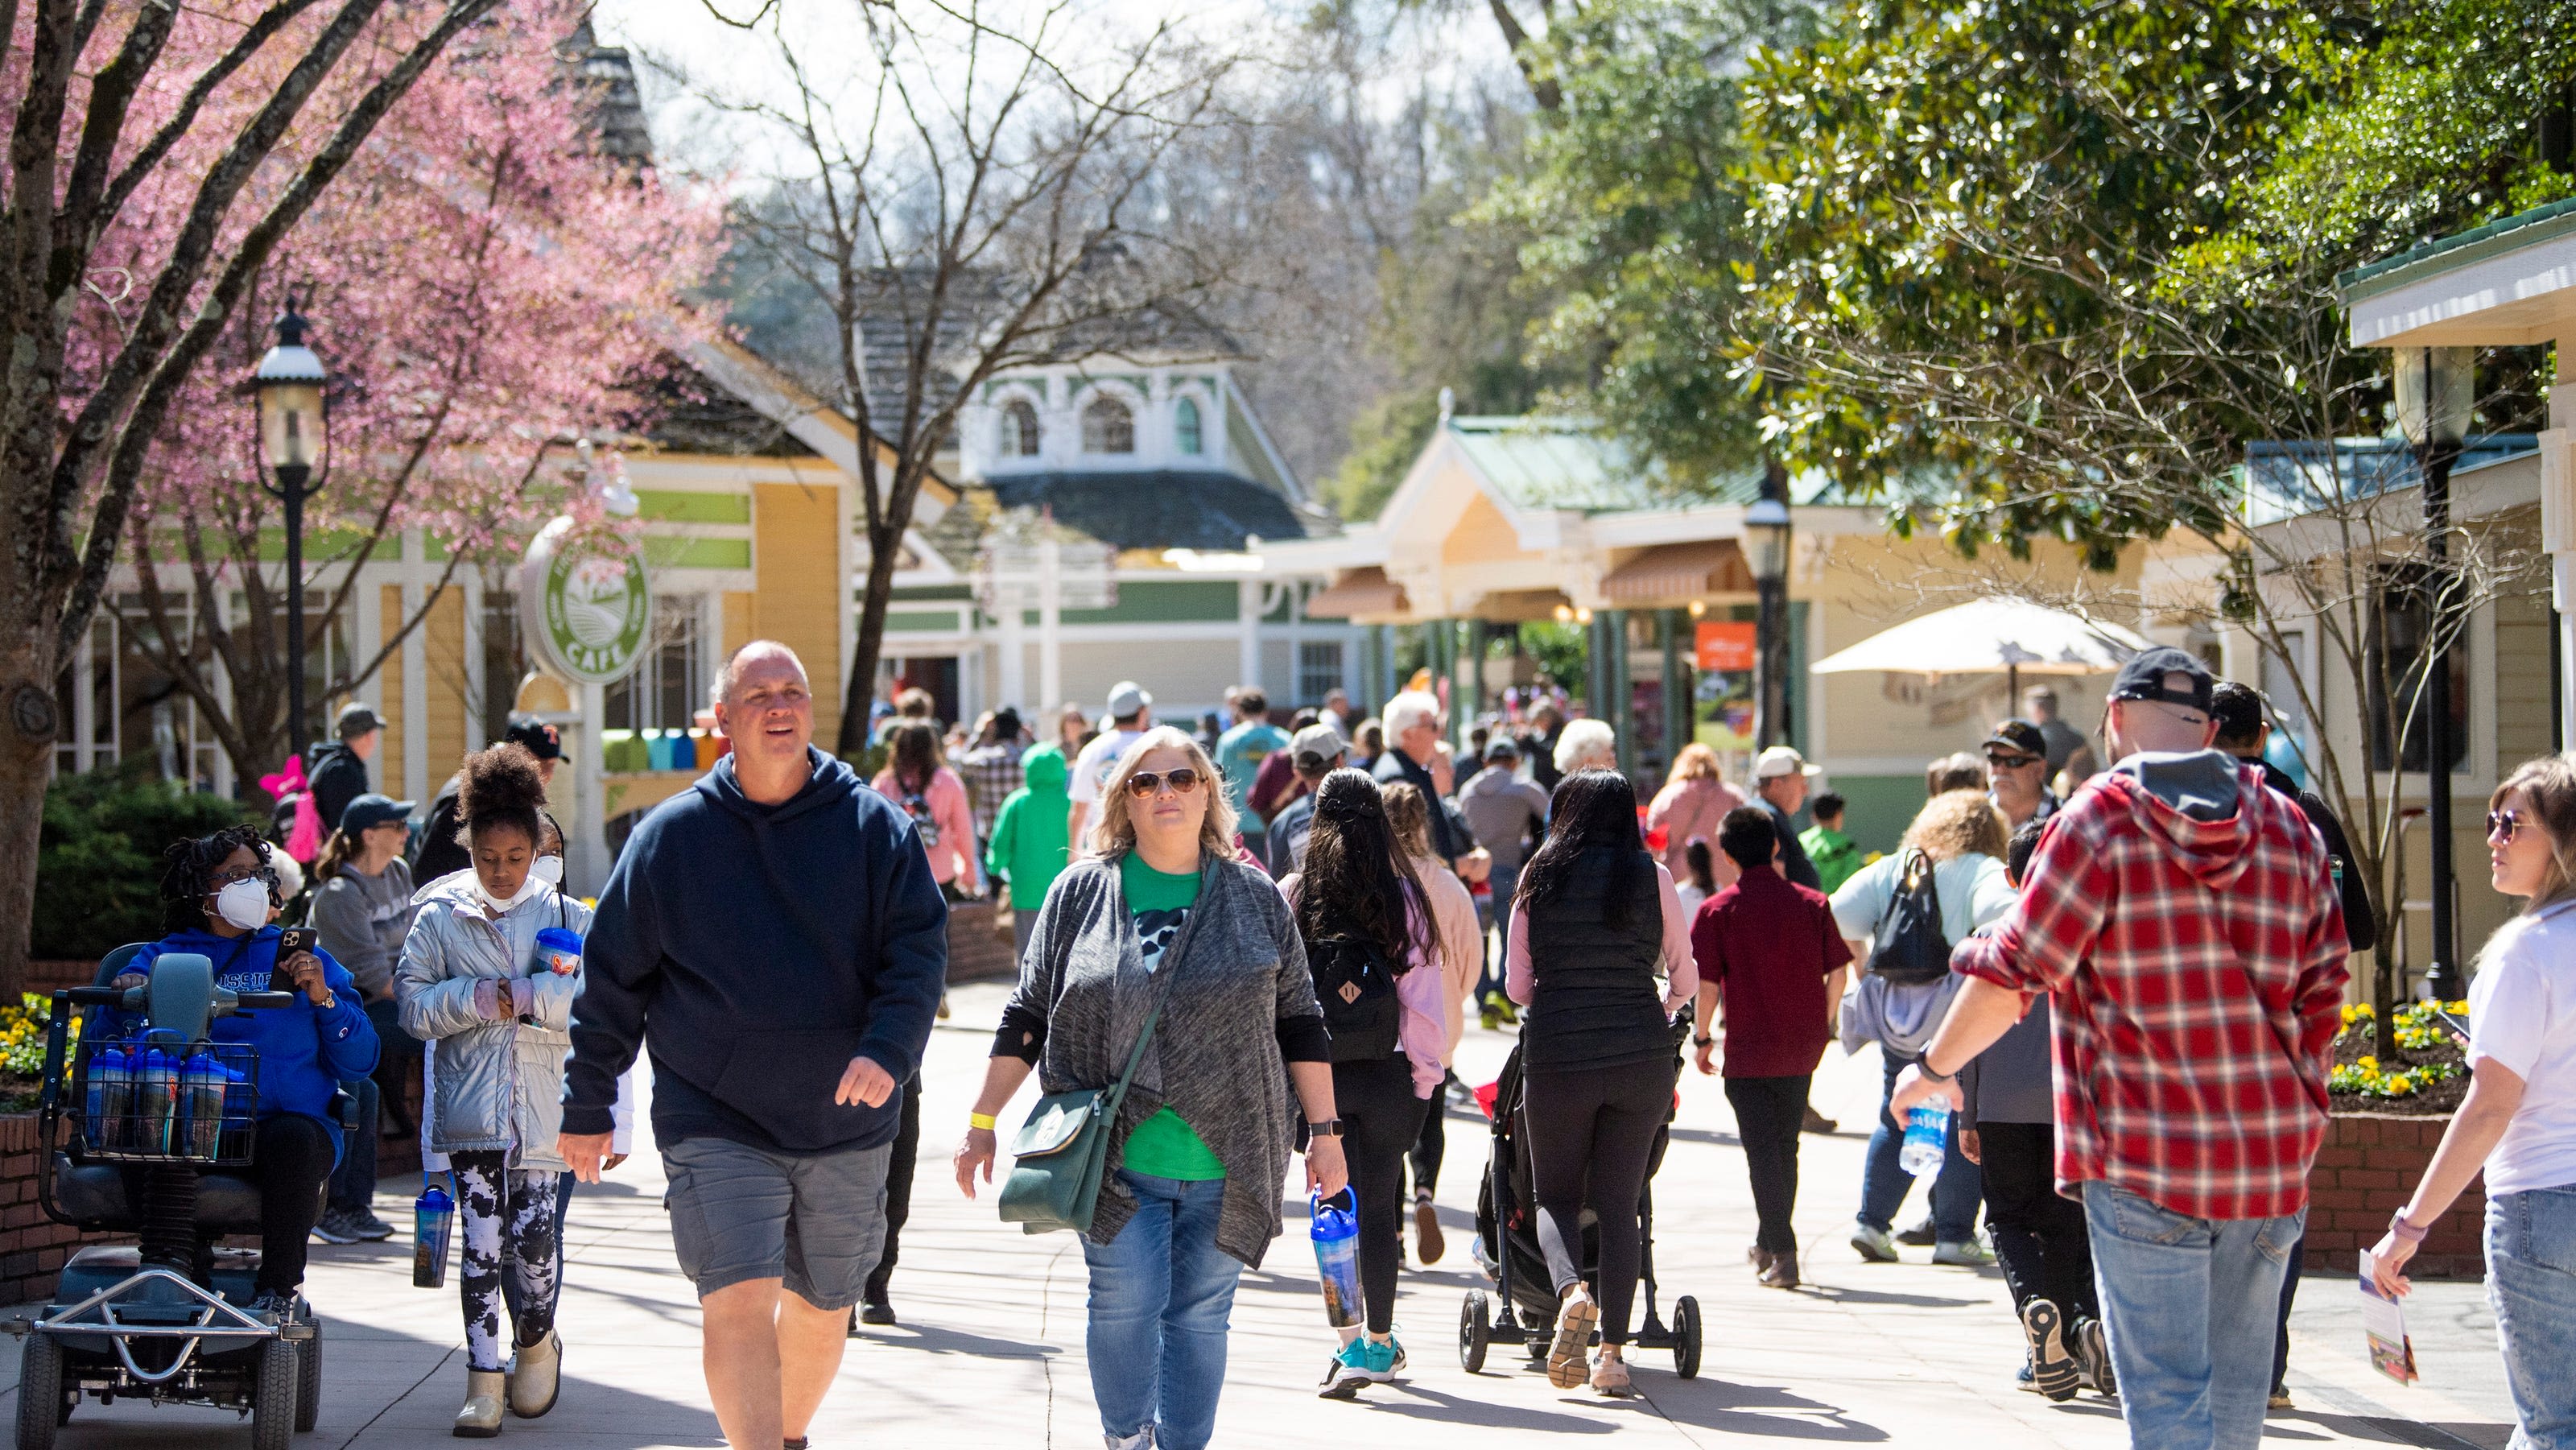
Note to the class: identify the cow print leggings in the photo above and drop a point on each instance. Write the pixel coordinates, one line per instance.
(497, 1205)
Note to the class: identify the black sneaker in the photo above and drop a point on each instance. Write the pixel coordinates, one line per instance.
(2051, 1367)
(876, 1311)
(274, 1306)
(336, 1226)
(2093, 1353)
(369, 1227)
(1921, 1236)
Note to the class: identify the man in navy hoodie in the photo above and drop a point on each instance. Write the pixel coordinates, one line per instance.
(775, 940)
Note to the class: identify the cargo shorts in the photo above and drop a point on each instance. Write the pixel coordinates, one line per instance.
(814, 1220)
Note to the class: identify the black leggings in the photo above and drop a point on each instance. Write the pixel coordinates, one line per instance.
(1595, 1126)
(1381, 1118)
(292, 1157)
(2040, 1237)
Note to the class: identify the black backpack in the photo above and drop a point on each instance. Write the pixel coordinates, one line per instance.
(1908, 948)
(1356, 986)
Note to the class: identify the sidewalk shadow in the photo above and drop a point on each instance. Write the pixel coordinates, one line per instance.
(1743, 1409)
(2434, 1436)
(1837, 1295)
(930, 1339)
(1421, 1403)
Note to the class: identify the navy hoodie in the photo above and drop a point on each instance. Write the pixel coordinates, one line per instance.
(305, 1052)
(754, 950)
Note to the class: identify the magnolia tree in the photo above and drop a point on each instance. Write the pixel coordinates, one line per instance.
(159, 158)
(487, 286)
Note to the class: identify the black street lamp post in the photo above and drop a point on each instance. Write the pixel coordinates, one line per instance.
(294, 442)
(2436, 387)
(1766, 531)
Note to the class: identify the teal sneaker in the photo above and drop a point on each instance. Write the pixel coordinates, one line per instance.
(1350, 1371)
(1384, 1359)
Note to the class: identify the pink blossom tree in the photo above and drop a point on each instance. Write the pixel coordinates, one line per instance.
(161, 161)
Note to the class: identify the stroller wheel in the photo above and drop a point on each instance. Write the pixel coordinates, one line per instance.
(1475, 1331)
(1686, 1337)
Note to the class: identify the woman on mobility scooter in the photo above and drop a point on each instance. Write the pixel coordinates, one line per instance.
(221, 894)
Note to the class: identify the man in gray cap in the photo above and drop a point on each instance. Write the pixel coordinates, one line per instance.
(338, 771)
(1130, 713)
(1314, 753)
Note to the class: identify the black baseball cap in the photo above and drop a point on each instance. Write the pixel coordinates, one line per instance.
(2020, 735)
(2148, 676)
(543, 740)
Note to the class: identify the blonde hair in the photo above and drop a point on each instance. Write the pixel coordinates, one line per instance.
(2549, 783)
(1695, 762)
(1115, 832)
(1408, 816)
(1959, 823)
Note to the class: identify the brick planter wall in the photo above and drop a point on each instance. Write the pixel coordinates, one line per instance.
(2366, 1171)
(979, 947)
(45, 976)
(32, 1246)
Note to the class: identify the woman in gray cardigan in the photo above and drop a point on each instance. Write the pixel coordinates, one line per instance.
(1162, 910)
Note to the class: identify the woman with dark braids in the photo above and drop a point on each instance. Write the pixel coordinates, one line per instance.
(474, 986)
(220, 894)
(1359, 896)
(1596, 922)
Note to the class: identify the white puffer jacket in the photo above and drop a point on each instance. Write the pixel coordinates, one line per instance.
(498, 1085)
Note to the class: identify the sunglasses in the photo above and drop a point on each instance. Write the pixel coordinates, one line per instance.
(2012, 762)
(1146, 783)
(2502, 824)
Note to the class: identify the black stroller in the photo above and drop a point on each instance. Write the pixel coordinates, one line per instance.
(167, 1319)
(1507, 1248)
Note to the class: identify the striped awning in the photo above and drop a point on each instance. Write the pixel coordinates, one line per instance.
(1678, 573)
(1361, 591)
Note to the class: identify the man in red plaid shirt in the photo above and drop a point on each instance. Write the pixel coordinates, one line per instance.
(2183, 919)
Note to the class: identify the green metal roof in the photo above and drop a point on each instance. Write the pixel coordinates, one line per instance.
(1561, 463)
(2469, 246)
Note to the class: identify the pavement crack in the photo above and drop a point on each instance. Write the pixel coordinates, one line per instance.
(1046, 1299)
(398, 1399)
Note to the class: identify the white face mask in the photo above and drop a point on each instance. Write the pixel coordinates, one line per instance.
(244, 904)
(548, 869)
(529, 886)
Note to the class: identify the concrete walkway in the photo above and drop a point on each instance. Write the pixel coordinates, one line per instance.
(991, 1349)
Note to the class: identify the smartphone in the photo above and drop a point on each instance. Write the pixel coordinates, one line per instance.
(290, 941)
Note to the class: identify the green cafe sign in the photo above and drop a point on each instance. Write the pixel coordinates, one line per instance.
(585, 605)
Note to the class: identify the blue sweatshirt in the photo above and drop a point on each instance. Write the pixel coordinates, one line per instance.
(305, 1052)
(754, 950)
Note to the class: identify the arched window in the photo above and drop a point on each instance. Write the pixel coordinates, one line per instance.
(1185, 425)
(1107, 426)
(1019, 429)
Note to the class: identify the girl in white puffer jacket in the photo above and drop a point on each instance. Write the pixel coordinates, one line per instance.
(474, 986)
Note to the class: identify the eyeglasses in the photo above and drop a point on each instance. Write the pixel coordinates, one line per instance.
(1145, 783)
(2502, 824)
(220, 878)
(2012, 762)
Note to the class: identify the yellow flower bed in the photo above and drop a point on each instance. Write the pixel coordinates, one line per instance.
(2415, 1031)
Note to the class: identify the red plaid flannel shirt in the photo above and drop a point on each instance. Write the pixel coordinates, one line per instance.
(2197, 971)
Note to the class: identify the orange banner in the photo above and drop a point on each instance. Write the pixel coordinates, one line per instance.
(1725, 646)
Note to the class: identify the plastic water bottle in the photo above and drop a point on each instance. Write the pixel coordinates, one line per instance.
(239, 1117)
(1336, 1232)
(431, 1219)
(1927, 1133)
(111, 1096)
(559, 951)
(201, 1084)
(156, 1094)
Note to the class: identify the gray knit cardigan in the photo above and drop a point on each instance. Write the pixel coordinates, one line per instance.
(1236, 971)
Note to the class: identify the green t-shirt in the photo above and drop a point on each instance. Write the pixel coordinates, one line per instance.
(1164, 1145)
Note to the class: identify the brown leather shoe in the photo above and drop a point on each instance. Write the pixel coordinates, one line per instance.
(1816, 1122)
(1427, 1239)
(1760, 1259)
(1781, 1272)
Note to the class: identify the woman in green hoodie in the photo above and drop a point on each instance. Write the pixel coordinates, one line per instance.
(1030, 844)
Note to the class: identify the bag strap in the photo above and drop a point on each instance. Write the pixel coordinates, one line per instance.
(1117, 1094)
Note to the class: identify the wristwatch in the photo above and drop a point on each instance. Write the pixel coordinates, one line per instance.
(2405, 1231)
(1923, 1065)
(1329, 1128)
(1702, 1040)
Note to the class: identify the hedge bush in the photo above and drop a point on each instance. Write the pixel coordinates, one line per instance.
(98, 863)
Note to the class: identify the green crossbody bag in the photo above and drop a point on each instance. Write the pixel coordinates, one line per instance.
(1062, 1151)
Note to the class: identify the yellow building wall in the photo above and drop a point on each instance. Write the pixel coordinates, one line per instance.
(389, 690)
(450, 707)
(737, 622)
(796, 560)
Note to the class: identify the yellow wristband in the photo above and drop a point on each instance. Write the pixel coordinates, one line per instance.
(979, 1120)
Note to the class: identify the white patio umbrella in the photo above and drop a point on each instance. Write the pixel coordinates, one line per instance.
(2008, 636)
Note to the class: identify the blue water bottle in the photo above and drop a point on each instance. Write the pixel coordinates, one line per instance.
(111, 1093)
(156, 1100)
(1927, 1133)
(201, 1089)
(559, 951)
(1336, 1232)
(431, 1219)
(239, 1120)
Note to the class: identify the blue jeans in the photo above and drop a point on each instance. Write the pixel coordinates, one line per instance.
(1956, 1189)
(2190, 1305)
(1161, 1295)
(2531, 1281)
